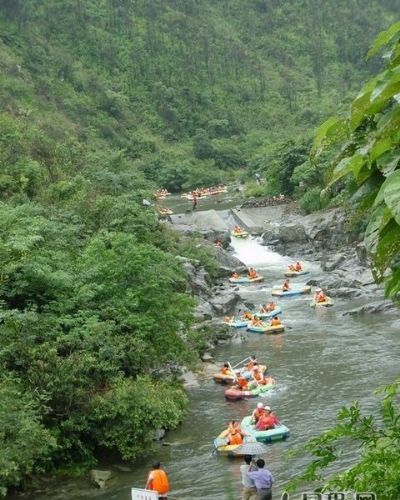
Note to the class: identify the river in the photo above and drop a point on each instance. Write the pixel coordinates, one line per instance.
(323, 361)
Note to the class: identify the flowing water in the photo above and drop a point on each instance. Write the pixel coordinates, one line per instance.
(323, 361)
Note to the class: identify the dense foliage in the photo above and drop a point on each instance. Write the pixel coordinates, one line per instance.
(374, 440)
(370, 151)
(185, 92)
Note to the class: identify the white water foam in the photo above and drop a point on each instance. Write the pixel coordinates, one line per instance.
(251, 253)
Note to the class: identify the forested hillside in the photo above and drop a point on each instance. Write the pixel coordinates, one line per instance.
(182, 90)
(100, 101)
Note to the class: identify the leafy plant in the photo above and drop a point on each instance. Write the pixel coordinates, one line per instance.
(371, 153)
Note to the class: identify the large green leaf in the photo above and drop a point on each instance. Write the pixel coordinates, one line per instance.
(346, 166)
(379, 147)
(392, 288)
(383, 38)
(361, 103)
(391, 195)
(387, 249)
(331, 131)
(388, 162)
(380, 216)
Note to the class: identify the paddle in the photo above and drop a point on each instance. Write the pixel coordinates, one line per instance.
(243, 361)
(233, 371)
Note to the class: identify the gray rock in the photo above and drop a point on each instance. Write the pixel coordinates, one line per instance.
(333, 263)
(159, 434)
(207, 357)
(372, 308)
(292, 233)
(224, 304)
(203, 311)
(100, 477)
(346, 292)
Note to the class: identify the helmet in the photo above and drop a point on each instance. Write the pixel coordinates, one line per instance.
(260, 405)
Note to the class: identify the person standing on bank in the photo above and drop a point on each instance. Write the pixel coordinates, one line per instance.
(158, 481)
(194, 202)
(249, 491)
(263, 480)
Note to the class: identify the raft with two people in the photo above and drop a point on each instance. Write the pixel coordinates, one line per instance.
(243, 322)
(235, 394)
(228, 376)
(296, 269)
(239, 232)
(252, 277)
(266, 328)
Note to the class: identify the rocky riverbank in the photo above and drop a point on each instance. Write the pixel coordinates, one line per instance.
(319, 237)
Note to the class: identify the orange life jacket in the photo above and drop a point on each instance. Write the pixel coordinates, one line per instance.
(160, 481)
(275, 322)
(258, 413)
(321, 297)
(257, 375)
(235, 438)
(225, 371)
(242, 382)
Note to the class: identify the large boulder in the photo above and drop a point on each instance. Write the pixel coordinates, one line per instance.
(371, 308)
(292, 232)
(227, 262)
(100, 477)
(198, 279)
(203, 310)
(225, 302)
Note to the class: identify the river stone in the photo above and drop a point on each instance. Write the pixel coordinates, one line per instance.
(203, 311)
(100, 477)
(292, 233)
(207, 357)
(159, 434)
(371, 308)
(333, 263)
(224, 304)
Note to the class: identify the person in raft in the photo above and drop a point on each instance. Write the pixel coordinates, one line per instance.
(235, 435)
(296, 267)
(158, 481)
(247, 315)
(258, 413)
(253, 361)
(225, 369)
(252, 273)
(235, 275)
(256, 321)
(319, 296)
(286, 286)
(267, 421)
(275, 321)
(241, 382)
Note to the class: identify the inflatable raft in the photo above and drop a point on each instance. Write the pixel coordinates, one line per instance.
(293, 274)
(264, 328)
(277, 434)
(278, 292)
(270, 314)
(245, 279)
(237, 394)
(326, 303)
(242, 234)
(227, 449)
(238, 323)
(220, 378)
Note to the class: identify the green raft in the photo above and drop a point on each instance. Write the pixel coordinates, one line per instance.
(277, 434)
